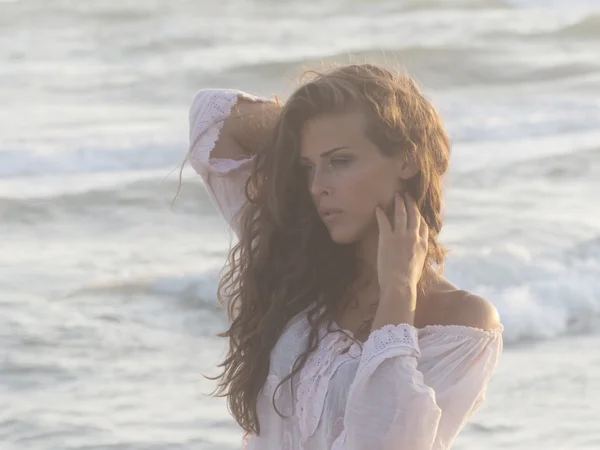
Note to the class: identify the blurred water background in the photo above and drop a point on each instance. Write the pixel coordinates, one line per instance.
(107, 296)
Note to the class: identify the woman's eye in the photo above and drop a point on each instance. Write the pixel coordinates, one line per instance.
(305, 169)
(339, 162)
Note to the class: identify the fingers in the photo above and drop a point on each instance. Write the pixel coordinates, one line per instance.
(400, 218)
(382, 221)
(406, 217)
(424, 230)
(413, 216)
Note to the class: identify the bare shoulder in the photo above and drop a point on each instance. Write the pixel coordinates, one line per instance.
(470, 310)
(458, 307)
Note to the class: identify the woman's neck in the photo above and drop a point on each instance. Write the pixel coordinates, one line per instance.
(366, 287)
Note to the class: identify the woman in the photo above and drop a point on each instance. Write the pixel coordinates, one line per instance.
(343, 333)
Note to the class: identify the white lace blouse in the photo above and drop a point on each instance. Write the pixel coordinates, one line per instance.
(407, 388)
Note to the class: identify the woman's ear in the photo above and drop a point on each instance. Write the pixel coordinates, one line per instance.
(407, 167)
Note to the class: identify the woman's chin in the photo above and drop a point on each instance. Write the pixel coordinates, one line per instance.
(341, 236)
(349, 233)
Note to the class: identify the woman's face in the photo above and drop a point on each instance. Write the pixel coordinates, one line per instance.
(347, 174)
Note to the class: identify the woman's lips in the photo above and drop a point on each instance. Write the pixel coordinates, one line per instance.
(329, 216)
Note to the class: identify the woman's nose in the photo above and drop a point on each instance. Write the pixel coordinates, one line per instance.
(319, 184)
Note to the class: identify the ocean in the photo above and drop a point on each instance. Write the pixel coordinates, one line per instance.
(107, 290)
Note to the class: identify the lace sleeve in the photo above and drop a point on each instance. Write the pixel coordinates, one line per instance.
(225, 179)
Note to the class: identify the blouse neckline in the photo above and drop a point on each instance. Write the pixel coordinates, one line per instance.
(447, 330)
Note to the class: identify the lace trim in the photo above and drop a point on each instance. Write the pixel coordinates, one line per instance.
(402, 336)
(315, 376)
(227, 165)
(449, 330)
(208, 112)
(333, 350)
(322, 364)
(462, 331)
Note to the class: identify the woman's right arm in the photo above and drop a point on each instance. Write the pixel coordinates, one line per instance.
(238, 122)
(228, 127)
(248, 127)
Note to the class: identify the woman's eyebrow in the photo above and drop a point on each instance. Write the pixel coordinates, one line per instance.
(327, 152)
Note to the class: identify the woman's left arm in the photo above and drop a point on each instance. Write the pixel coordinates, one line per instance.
(391, 406)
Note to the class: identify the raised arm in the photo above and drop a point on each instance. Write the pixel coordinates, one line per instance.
(238, 121)
(246, 129)
(227, 127)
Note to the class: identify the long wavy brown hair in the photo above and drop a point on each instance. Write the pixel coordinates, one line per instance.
(285, 261)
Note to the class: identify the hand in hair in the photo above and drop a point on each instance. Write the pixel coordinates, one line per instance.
(401, 257)
(245, 131)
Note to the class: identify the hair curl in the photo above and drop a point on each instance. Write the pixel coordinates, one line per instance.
(285, 261)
